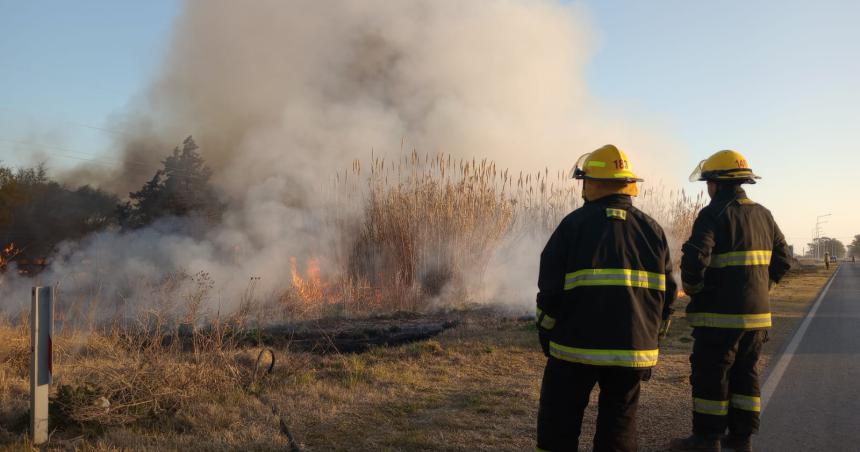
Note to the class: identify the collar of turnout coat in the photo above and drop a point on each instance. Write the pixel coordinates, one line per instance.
(729, 192)
(622, 201)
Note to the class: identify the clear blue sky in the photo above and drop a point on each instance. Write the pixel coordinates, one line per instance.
(776, 80)
(68, 63)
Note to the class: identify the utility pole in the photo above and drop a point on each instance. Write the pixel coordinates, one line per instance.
(816, 238)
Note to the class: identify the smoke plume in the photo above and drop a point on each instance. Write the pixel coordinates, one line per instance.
(280, 95)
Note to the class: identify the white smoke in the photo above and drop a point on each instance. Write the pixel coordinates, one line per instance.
(282, 94)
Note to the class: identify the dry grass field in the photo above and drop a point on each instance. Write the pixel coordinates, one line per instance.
(474, 387)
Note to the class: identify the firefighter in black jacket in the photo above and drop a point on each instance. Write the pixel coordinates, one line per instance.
(605, 284)
(735, 254)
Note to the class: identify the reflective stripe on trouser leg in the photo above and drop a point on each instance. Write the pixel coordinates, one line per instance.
(745, 401)
(711, 361)
(733, 321)
(712, 407)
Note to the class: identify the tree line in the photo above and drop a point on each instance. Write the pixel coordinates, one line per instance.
(854, 247)
(38, 213)
(834, 247)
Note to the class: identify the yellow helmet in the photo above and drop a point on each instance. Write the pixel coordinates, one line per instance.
(725, 165)
(607, 163)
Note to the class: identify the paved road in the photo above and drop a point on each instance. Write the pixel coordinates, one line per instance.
(812, 394)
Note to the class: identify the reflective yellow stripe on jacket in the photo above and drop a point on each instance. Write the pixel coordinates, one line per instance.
(546, 323)
(741, 321)
(615, 277)
(598, 357)
(741, 258)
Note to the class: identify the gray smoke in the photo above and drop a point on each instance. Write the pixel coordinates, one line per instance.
(282, 94)
(299, 88)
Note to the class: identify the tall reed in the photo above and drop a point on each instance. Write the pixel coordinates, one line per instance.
(429, 224)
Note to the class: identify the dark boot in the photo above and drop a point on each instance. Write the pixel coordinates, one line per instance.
(737, 443)
(696, 443)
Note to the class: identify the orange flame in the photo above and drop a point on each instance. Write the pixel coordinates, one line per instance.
(310, 289)
(8, 253)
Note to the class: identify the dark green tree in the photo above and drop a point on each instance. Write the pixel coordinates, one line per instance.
(144, 206)
(854, 247)
(826, 245)
(181, 188)
(36, 213)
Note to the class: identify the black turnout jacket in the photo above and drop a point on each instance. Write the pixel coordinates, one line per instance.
(736, 251)
(605, 283)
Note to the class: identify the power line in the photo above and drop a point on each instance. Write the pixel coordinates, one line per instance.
(101, 161)
(43, 147)
(125, 133)
(98, 160)
(74, 123)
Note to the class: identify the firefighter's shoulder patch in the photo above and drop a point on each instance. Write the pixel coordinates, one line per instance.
(619, 214)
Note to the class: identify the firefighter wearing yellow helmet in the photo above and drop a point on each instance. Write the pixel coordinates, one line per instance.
(605, 284)
(735, 253)
(609, 170)
(724, 166)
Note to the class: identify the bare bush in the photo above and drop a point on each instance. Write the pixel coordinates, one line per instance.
(153, 368)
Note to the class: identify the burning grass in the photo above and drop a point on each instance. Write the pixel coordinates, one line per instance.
(167, 367)
(430, 226)
(426, 230)
(415, 233)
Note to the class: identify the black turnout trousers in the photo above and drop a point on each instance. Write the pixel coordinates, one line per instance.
(725, 380)
(565, 393)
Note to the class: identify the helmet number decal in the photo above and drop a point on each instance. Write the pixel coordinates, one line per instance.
(741, 163)
(621, 164)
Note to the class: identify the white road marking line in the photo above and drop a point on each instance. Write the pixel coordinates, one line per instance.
(779, 369)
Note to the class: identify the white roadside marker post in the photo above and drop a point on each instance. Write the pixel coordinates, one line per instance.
(41, 365)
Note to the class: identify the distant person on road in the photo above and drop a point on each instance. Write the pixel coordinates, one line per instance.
(734, 255)
(827, 261)
(853, 260)
(605, 285)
